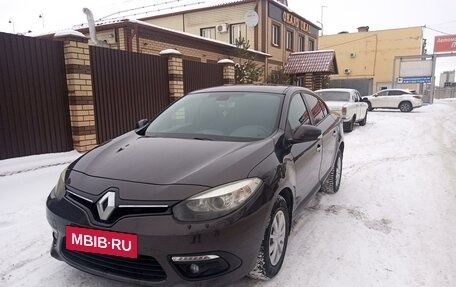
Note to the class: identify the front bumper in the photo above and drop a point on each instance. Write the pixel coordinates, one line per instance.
(236, 238)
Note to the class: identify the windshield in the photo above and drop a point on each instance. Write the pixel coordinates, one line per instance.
(234, 116)
(334, 96)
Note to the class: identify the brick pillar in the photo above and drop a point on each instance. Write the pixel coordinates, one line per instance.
(175, 73)
(228, 71)
(79, 85)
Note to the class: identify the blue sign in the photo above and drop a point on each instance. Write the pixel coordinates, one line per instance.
(414, 80)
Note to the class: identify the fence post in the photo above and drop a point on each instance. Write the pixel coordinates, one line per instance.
(228, 71)
(175, 73)
(79, 85)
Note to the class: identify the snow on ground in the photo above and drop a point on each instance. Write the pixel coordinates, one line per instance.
(391, 224)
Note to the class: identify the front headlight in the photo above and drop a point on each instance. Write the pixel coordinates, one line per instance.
(216, 202)
(59, 190)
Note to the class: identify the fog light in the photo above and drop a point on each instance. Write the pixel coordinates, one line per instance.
(199, 266)
(194, 268)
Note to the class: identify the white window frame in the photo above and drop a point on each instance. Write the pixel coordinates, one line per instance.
(289, 40)
(211, 31)
(275, 35)
(301, 43)
(233, 27)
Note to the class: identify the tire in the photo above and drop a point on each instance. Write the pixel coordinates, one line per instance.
(332, 183)
(348, 126)
(405, 107)
(269, 263)
(369, 106)
(364, 121)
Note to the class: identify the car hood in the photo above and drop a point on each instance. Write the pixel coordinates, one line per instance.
(167, 161)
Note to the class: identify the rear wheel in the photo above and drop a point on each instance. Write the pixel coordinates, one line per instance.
(405, 107)
(332, 183)
(364, 121)
(274, 245)
(348, 126)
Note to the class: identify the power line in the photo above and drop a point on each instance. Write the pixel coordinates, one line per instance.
(443, 23)
(142, 7)
(435, 30)
(148, 12)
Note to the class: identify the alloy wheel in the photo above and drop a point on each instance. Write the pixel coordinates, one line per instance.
(277, 237)
(338, 170)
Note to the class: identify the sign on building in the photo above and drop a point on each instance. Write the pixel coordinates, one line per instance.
(415, 72)
(445, 43)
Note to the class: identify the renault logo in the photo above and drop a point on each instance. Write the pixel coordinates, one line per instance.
(106, 205)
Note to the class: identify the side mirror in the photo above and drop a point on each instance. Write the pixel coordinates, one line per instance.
(305, 133)
(141, 123)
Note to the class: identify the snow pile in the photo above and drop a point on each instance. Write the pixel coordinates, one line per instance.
(28, 163)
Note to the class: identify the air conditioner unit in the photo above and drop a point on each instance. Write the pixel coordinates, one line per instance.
(222, 28)
(352, 54)
(347, 70)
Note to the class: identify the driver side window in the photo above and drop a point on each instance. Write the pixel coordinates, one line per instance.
(297, 113)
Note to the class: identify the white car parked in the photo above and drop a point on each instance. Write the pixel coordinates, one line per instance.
(348, 104)
(404, 100)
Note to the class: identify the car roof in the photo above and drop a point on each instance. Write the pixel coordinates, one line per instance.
(250, 88)
(337, 90)
(403, 90)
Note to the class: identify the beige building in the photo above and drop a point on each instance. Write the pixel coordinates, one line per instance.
(269, 26)
(366, 58)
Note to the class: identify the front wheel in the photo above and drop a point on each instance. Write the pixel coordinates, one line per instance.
(332, 183)
(274, 245)
(369, 106)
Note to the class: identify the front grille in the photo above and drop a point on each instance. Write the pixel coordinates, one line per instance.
(120, 212)
(142, 268)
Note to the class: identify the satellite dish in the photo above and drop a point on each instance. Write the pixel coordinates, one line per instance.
(251, 18)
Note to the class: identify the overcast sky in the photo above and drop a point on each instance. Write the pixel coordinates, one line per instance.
(438, 15)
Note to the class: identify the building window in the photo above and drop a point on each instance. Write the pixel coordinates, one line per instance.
(236, 32)
(276, 35)
(301, 44)
(289, 40)
(311, 45)
(208, 32)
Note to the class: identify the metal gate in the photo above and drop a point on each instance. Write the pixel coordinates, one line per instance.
(199, 75)
(127, 87)
(364, 86)
(34, 115)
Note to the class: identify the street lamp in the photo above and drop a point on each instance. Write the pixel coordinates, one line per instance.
(321, 18)
(41, 16)
(321, 25)
(12, 23)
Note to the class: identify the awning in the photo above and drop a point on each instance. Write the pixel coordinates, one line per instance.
(312, 62)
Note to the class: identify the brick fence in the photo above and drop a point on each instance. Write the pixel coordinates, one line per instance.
(80, 86)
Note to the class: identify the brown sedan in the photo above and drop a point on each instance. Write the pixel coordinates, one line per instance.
(202, 195)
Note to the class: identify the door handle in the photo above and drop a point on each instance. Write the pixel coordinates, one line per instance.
(319, 148)
(334, 133)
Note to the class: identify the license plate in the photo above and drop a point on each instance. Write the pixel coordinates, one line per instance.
(101, 242)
